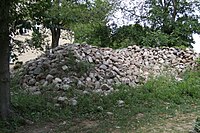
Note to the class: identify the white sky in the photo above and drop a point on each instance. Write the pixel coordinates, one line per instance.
(197, 43)
(121, 21)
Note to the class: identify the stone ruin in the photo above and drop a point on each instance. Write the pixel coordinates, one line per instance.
(96, 69)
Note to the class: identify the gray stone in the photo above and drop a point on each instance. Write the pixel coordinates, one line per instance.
(57, 80)
(45, 83)
(161, 61)
(111, 74)
(120, 103)
(32, 89)
(25, 86)
(105, 87)
(27, 78)
(32, 82)
(64, 67)
(73, 102)
(85, 92)
(131, 65)
(90, 59)
(80, 84)
(174, 61)
(37, 84)
(116, 69)
(88, 79)
(49, 78)
(57, 105)
(65, 87)
(57, 86)
(97, 91)
(37, 93)
(67, 80)
(53, 71)
(62, 99)
(125, 80)
(156, 67)
(109, 113)
(106, 63)
(100, 108)
(97, 84)
(104, 67)
(30, 72)
(37, 70)
(92, 75)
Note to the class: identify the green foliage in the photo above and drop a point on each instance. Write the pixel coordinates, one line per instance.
(198, 61)
(159, 39)
(132, 35)
(71, 15)
(99, 35)
(37, 40)
(166, 23)
(18, 20)
(175, 19)
(128, 35)
(197, 126)
(96, 31)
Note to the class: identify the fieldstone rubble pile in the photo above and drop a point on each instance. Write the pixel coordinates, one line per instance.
(132, 65)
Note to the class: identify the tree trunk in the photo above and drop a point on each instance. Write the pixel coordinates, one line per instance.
(55, 32)
(174, 13)
(4, 60)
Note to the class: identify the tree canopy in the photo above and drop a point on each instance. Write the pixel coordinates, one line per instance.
(167, 22)
(56, 15)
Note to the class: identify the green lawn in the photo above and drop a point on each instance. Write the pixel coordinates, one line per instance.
(160, 105)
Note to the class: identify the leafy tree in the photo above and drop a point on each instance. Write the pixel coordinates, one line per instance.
(4, 59)
(164, 23)
(171, 22)
(98, 34)
(19, 19)
(56, 15)
(96, 31)
(175, 18)
(129, 35)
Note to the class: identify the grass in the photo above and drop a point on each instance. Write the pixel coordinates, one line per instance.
(146, 108)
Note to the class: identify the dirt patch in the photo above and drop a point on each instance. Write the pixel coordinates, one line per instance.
(83, 126)
(60, 127)
(43, 128)
(181, 123)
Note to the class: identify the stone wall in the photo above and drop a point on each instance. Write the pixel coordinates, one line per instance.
(132, 66)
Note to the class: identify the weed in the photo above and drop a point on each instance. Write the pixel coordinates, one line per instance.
(197, 125)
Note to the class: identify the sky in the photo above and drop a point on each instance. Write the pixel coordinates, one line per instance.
(121, 21)
(197, 43)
